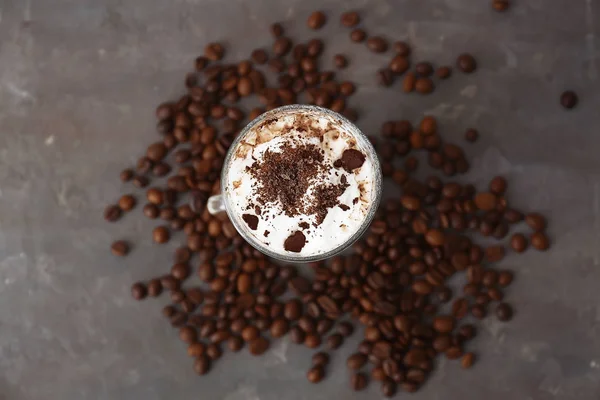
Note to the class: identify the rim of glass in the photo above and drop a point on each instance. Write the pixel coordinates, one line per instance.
(365, 143)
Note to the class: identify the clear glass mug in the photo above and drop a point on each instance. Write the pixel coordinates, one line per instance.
(221, 202)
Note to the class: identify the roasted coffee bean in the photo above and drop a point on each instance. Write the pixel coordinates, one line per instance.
(424, 85)
(377, 44)
(569, 99)
(112, 213)
(536, 222)
(138, 291)
(500, 5)
(443, 72)
(214, 51)
(297, 335)
(126, 175)
(312, 341)
(388, 387)
(340, 61)
(316, 20)
(504, 312)
(424, 68)
(518, 242)
(356, 361)
(358, 381)
(202, 365)
(385, 77)
(399, 65)
(315, 374)
(467, 360)
(213, 351)
(334, 341)
(127, 202)
(505, 278)
(345, 328)
(540, 241)
(350, 19)
(358, 35)
(258, 346)
(161, 234)
(466, 63)
(320, 358)
(154, 288)
(119, 248)
(471, 135)
(235, 343)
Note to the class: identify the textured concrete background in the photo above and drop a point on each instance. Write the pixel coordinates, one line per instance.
(79, 80)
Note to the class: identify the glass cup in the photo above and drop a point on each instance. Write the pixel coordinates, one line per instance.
(221, 203)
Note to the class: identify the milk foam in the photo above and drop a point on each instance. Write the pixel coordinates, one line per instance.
(274, 226)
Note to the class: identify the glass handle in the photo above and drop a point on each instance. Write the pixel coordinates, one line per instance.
(215, 204)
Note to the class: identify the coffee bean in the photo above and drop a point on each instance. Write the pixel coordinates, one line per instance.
(402, 48)
(140, 181)
(259, 56)
(569, 99)
(504, 312)
(518, 242)
(443, 72)
(536, 221)
(334, 341)
(213, 351)
(388, 387)
(312, 341)
(486, 201)
(358, 35)
(505, 278)
(340, 61)
(358, 381)
(385, 77)
(409, 82)
(377, 44)
(297, 335)
(350, 19)
(138, 291)
(345, 328)
(119, 248)
(126, 175)
(356, 361)
(235, 343)
(154, 288)
(314, 47)
(277, 30)
(214, 51)
(399, 65)
(424, 85)
(443, 323)
(466, 63)
(540, 241)
(281, 47)
(156, 151)
(112, 213)
(320, 358)
(424, 69)
(316, 20)
(471, 135)
(467, 360)
(160, 234)
(279, 327)
(498, 185)
(258, 346)
(202, 365)
(196, 349)
(500, 5)
(315, 374)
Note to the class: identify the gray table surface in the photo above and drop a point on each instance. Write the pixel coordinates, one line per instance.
(79, 80)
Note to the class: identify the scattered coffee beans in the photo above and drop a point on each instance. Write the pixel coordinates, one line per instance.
(395, 280)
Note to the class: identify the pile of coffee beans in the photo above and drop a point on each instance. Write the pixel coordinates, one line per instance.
(224, 295)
